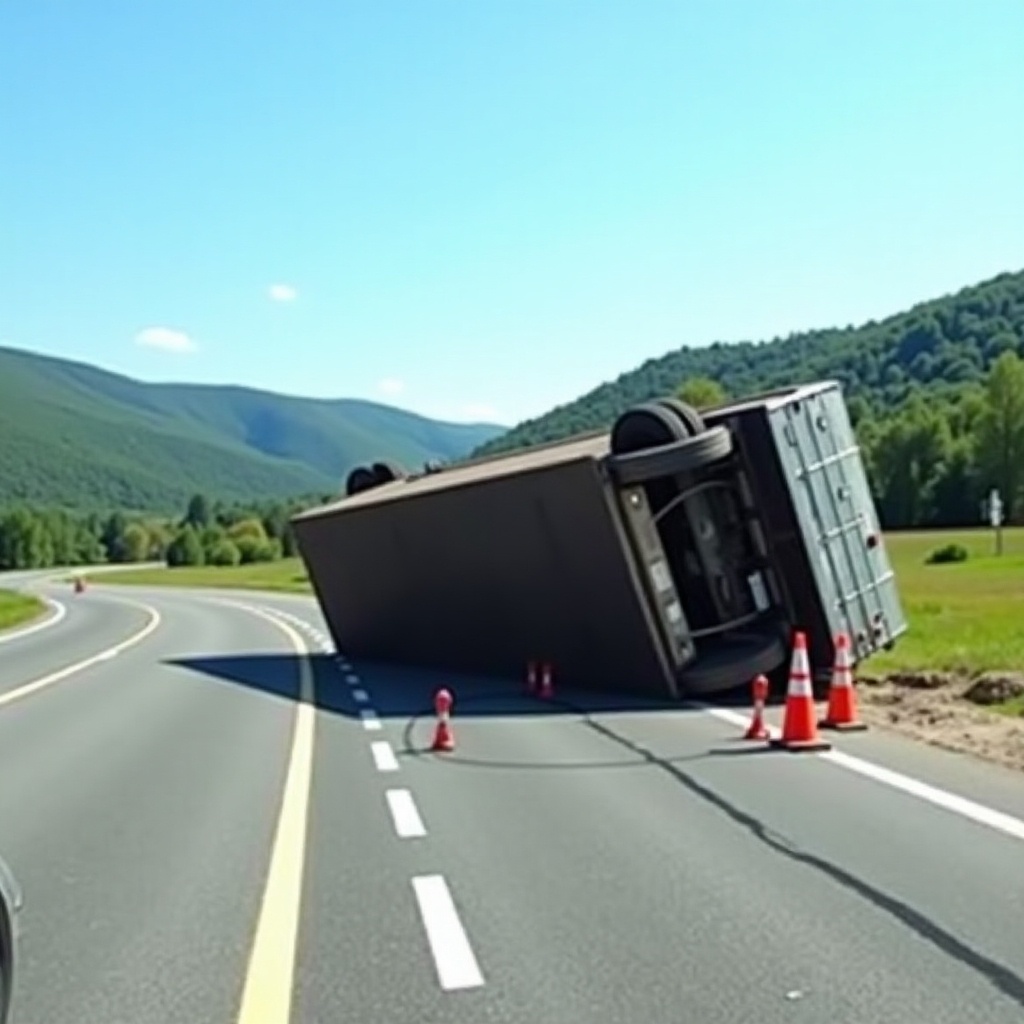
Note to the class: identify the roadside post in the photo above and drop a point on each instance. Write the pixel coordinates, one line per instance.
(994, 511)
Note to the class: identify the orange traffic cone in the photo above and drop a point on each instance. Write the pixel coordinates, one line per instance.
(758, 730)
(842, 698)
(800, 726)
(547, 688)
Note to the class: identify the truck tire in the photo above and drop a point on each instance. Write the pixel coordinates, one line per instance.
(681, 456)
(736, 663)
(646, 426)
(360, 479)
(386, 472)
(686, 414)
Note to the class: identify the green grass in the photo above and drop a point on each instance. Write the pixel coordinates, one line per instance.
(963, 617)
(287, 575)
(17, 609)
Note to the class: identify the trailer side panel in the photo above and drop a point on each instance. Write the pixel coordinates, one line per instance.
(485, 576)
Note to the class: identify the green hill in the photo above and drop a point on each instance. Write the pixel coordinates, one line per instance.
(80, 437)
(936, 347)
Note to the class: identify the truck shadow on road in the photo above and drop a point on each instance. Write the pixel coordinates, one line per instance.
(397, 691)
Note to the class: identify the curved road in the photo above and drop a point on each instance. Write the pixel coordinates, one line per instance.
(197, 843)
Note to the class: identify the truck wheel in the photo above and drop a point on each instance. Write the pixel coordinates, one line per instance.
(734, 664)
(386, 472)
(646, 426)
(360, 479)
(686, 414)
(683, 456)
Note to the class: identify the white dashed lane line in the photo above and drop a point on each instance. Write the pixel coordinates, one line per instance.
(408, 823)
(454, 960)
(383, 756)
(371, 723)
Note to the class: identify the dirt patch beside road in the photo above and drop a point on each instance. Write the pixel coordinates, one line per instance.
(950, 711)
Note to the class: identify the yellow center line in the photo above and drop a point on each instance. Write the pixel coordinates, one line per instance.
(267, 994)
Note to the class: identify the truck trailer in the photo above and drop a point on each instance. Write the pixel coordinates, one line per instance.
(672, 555)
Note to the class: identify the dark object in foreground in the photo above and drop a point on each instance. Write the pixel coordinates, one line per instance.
(673, 555)
(10, 908)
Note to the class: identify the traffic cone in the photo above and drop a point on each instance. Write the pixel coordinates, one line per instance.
(800, 725)
(758, 730)
(842, 697)
(531, 677)
(547, 688)
(444, 738)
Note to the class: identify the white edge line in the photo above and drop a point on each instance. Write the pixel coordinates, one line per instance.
(978, 813)
(404, 814)
(95, 659)
(59, 610)
(383, 756)
(454, 960)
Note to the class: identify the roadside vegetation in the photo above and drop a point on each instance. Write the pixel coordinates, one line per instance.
(929, 408)
(287, 576)
(18, 609)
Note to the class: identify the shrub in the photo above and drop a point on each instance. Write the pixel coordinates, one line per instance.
(947, 554)
(224, 552)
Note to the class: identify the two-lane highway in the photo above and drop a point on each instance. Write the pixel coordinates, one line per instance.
(197, 844)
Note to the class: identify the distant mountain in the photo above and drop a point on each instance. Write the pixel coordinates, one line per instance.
(77, 436)
(935, 347)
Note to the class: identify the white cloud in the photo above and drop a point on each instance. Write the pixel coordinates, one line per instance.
(283, 293)
(166, 339)
(391, 386)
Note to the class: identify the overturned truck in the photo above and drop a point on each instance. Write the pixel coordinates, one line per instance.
(672, 555)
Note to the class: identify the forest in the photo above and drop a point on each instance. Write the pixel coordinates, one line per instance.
(936, 396)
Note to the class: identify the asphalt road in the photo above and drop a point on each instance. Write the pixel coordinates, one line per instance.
(196, 844)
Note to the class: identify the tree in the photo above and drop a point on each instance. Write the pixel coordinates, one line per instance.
(134, 543)
(185, 549)
(112, 537)
(1000, 450)
(199, 513)
(248, 528)
(701, 392)
(224, 553)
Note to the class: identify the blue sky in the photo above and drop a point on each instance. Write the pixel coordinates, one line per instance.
(483, 208)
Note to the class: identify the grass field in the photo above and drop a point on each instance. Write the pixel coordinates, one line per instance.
(17, 609)
(966, 616)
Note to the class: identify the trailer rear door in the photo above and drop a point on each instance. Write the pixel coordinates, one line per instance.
(826, 476)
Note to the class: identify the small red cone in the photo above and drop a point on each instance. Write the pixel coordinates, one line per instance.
(547, 687)
(800, 724)
(758, 730)
(444, 738)
(842, 698)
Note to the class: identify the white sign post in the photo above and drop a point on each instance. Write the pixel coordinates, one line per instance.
(995, 517)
